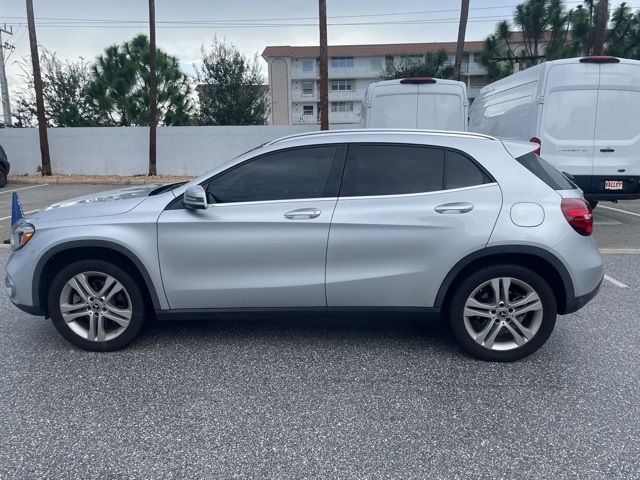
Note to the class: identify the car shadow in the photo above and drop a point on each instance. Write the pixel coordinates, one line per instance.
(364, 327)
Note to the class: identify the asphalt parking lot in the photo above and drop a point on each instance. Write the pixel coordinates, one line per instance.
(356, 396)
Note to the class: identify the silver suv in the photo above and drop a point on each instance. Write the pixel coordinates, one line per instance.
(479, 229)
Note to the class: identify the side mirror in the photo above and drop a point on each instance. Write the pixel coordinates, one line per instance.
(195, 198)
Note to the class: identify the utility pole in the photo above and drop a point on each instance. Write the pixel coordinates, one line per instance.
(462, 30)
(37, 83)
(601, 27)
(324, 68)
(153, 85)
(6, 106)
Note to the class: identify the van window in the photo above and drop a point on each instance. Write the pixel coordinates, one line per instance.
(571, 114)
(618, 115)
(440, 112)
(461, 172)
(545, 172)
(397, 111)
(392, 170)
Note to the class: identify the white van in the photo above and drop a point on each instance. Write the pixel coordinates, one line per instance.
(584, 113)
(416, 102)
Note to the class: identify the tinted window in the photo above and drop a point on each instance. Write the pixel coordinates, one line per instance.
(545, 172)
(462, 172)
(291, 174)
(392, 170)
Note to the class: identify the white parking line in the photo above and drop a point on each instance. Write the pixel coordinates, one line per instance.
(621, 251)
(26, 213)
(617, 283)
(619, 210)
(24, 188)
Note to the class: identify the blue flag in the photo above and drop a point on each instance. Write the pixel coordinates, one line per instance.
(16, 209)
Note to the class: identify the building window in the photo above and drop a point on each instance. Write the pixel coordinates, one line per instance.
(376, 63)
(341, 62)
(342, 106)
(307, 65)
(307, 110)
(339, 85)
(307, 88)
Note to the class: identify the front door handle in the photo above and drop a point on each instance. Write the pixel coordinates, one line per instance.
(607, 150)
(458, 207)
(302, 213)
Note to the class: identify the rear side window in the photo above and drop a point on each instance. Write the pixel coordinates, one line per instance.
(392, 170)
(461, 171)
(545, 172)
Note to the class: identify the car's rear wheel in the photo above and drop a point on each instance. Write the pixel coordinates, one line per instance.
(96, 305)
(3, 177)
(502, 313)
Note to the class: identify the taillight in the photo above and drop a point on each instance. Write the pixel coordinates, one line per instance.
(539, 142)
(578, 214)
(417, 80)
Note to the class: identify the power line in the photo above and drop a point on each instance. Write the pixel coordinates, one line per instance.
(217, 21)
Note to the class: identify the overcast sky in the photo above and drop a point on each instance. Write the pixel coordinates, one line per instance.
(76, 34)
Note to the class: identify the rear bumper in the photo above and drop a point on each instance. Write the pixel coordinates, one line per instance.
(593, 187)
(576, 303)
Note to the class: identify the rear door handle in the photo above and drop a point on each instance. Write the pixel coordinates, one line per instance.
(458, 207)
(303, 213)
(607, 150)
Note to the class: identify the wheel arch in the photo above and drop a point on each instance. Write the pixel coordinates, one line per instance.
(537, 259)
(64, 253)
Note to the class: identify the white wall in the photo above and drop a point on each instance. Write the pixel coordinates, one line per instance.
(124, 150)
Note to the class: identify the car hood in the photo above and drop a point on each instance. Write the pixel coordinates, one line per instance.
(112, 202)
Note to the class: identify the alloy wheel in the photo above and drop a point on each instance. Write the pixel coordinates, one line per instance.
(503, 313)
(95, 306)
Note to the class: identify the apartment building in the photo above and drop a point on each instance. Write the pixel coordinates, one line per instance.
(294, 77)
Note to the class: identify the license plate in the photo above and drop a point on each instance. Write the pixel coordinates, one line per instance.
(613, 184)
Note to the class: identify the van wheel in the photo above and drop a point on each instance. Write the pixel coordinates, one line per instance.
(3, 177)
(593, 203)
(96, 305)
(502, 313)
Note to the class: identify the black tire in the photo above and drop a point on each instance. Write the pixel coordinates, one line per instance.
(3, 177)
(593, 203)
(474, 280)
(119, 273)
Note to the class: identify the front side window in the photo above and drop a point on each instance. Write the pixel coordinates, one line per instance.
(341, 62)
(342, 106)
(392, 170)
(289, 174)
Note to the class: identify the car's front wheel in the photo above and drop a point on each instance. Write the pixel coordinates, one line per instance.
(96, 305)
(3, 177)
(502, 313)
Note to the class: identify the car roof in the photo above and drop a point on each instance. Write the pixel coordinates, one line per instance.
(376, 134)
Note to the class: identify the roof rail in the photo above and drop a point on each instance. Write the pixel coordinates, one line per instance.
(365, 131)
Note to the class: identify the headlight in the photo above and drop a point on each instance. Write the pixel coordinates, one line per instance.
(21, 234)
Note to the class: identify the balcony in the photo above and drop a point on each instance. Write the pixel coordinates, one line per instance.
(343, 72)
(472, 92)
(334, 96)
(334, 118)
